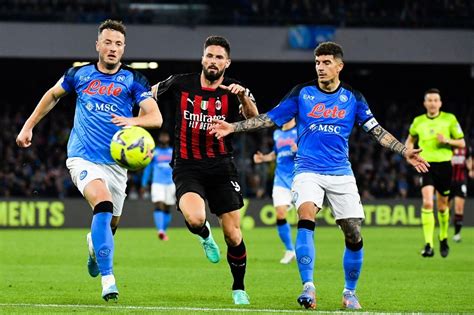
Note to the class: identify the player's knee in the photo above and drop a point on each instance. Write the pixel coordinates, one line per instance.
(352, 229)
(233, 238)
(428, 204)
(195, 221)
(280, 213)
(307, 211)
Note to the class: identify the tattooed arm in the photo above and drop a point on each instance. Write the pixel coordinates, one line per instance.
(387, 140)
(221, 128)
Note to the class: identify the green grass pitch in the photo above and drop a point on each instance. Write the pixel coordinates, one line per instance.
(44, 271)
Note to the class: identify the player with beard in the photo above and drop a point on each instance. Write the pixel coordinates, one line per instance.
(203, 166)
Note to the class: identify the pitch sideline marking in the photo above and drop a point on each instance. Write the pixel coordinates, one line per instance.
(165, 308)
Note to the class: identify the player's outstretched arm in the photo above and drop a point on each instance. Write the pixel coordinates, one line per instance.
(222, 128)
(387, 140)
(148, 117)
(259, 157)
(47, 102)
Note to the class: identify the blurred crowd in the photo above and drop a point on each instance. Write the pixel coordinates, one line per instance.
(40, 170)
(362, 13)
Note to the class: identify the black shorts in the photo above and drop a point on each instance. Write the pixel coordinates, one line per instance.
(215, 180)
(458, 189)
(439, 176)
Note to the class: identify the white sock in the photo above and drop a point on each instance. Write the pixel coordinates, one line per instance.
(306, 284)
(108, 280)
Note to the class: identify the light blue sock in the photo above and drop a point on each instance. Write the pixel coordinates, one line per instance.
(158, 216)
(305, 252)
(352, 262)
(103, 241)
(284, 231)
(166, 220)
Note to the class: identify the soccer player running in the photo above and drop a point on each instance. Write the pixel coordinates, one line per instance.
(325, 110)
(203, 165)
(462, 168)
(284, 153)
(162, 188)
(437, 133)
(106, 93)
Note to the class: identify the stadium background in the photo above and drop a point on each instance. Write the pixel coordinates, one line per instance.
(395, 50)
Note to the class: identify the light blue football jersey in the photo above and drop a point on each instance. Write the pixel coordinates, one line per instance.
(324, 121)
(98, 96)
(159, 168)
(285, 157)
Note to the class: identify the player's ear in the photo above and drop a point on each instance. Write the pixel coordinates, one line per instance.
(227, 64)
(97, 45)
(340, 65)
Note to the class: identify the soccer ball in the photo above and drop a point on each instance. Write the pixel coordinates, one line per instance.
(132, 147)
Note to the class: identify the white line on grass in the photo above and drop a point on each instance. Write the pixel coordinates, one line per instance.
(170, 308)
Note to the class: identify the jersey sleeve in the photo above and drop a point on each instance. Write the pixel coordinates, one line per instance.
(140, 88)
(165, 85)
(412, 131)
(286, 109)
(68, 81)
(455, 129)
(364, 116)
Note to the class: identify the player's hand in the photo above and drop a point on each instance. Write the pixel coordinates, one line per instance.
(294, 148)
(23, 140)
(234, 88)
(123, 121)
(258, 157)
(414, 159)
(441, 138)
(221, 128)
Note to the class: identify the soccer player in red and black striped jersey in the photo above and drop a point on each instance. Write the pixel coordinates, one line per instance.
(462, 168)
(203, 166)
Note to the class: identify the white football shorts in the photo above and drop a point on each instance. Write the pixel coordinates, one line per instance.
(115, 177)
(163, 193)
(340, 191)
(281, 196)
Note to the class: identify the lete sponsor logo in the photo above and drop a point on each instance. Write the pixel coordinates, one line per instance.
(96, 87)
(320, 111)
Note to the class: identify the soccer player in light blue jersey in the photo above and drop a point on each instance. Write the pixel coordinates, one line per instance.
(326, 110)
(107, 92)
(163, 189)
(284, 153)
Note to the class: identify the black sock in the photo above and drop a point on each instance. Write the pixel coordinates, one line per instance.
(237, 259)
(281, 221)
(202, 231)
(458, 223)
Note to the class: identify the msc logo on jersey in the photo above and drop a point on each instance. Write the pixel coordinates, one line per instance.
(102, 107)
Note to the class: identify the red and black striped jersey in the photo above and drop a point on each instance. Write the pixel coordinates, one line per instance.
(460, 155)
(196, 107)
